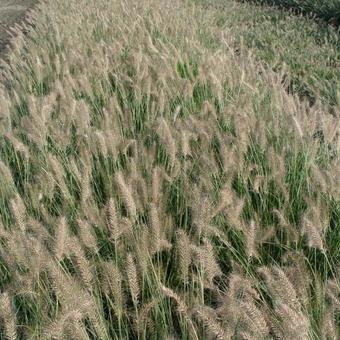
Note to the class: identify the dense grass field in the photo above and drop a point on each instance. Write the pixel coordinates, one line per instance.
(169, 170)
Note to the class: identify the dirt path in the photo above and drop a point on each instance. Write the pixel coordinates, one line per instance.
(11, 11)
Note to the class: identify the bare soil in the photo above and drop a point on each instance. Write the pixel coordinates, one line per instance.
(11, 12)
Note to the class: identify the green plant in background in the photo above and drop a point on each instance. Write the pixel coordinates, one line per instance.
(327, 10)
(307, 52)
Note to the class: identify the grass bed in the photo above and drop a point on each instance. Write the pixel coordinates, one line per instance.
(158, 182)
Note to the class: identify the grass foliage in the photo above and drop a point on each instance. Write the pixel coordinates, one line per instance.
(156, 182)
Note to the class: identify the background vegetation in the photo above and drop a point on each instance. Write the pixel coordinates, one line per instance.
(307, 52)
(328, 10)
